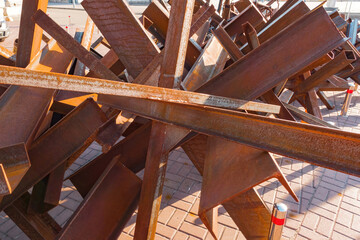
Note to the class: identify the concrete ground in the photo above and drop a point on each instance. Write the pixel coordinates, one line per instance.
(329, 206)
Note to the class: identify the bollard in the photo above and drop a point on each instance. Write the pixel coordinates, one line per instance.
(277, 221)
(16, 43)
(347, 100)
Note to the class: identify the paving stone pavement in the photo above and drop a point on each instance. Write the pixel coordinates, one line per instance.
(329, 206)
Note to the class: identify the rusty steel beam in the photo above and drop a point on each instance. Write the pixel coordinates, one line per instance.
(211, 62)
(217, 171)
(14, 163)
(221, 178)
(200, 17)
(250, 14)
(319, 62)
(76, 98)
(111, 61)
(132, 151)
(3, 89)
(350, 72)
(308, 117)
(241, 5)
(86, 43)
(251, 36)
(248, 129)
(111, 202)
(236, 54)
(22, 109)
(248, 210)
(153, 181)
(55, 146)
(200, 36)
(160, 18)
(176, 44)
(74, 47)
(45, 125)
(331, 85)
(243, 75)
(271, 98)
(150, 74)
(274, 26)
(227, 43)
(18, 76)
(250, 214)
(226, 10)
(338, 21)
(341, 61)
(287, 5)
(45, 195)
(171, 71)
(311, 104)
(253, 42)
(329, 105)
(110, 132)
(35, 226)
(30, 34)
(115, 14)
(7, 57)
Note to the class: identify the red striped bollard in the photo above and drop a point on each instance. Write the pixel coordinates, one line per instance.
(277, 221)
(347, 100)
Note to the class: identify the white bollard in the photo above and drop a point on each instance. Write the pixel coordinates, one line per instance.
(277, 221)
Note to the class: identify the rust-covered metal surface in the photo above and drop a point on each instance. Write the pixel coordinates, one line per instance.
(185, 75)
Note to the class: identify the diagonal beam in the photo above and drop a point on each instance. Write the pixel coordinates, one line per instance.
(250, 214)
(30, 34)
(55, 146)
(35, 226)
(269, 96)
(221, 180)
(243, 78)
(14, 163)
(132, 150)
(342, 60)
(250, 14)
(200, 17)
(278, 23)
(74, 47)
(224, 178)
(111, 202)
(210, 62)
(86, 43)
(248, 210)
(307, 117)
(160, 18)
(31, 102)
(7, 57)
(130, 41)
